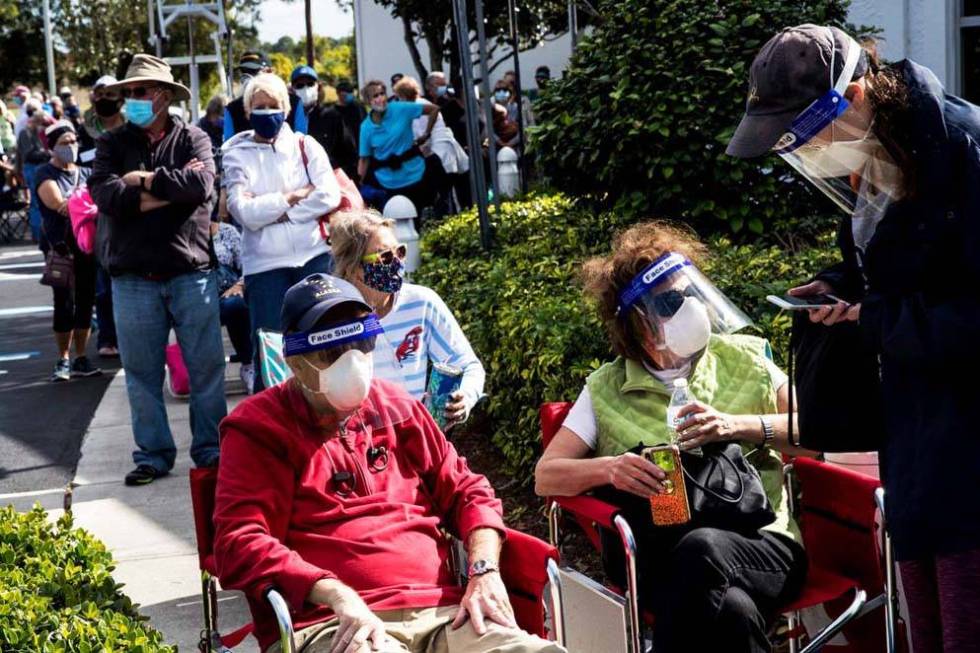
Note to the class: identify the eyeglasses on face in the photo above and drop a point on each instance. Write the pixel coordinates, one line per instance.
(302, 83)
(137, 92)
(386, 256)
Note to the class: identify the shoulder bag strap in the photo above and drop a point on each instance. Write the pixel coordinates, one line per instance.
(306, 160)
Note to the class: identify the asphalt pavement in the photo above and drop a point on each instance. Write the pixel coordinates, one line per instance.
(41, 423)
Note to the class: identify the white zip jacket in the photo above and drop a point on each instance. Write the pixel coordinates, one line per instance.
(256, 176)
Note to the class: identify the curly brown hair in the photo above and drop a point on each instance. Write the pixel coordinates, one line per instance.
(889, 97)
(604, 277)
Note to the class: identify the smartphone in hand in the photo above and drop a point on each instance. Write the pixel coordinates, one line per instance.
(791, 303)
(671, 507)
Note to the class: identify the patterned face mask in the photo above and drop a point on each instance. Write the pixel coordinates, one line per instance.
(384, 277)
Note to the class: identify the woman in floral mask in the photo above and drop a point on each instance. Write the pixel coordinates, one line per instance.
(417, 323)
(712, 588)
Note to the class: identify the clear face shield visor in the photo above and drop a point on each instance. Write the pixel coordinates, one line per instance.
(832, 146)
(681, 307)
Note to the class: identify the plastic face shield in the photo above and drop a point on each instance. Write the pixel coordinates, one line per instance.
(321, 347)
(834, 149)
(677, 302)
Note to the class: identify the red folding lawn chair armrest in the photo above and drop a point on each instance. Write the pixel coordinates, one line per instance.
(527, 564)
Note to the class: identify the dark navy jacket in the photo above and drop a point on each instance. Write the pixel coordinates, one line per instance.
(921, 314)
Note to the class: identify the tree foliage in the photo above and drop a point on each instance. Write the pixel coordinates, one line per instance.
(425, 21)
(650, 100)
(334, 59)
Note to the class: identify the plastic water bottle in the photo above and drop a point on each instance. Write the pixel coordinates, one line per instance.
(681, 397)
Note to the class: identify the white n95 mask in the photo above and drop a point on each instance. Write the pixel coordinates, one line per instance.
(687, 332)
(346, 383)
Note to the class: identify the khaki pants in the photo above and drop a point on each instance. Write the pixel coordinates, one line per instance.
(429, 630)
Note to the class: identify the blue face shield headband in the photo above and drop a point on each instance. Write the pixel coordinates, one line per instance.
(826, 109)
(652, 276)
(357, 333)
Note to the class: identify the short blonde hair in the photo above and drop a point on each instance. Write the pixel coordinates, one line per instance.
(350, 233)
(271, 85)
(407, 88)
(366, 91)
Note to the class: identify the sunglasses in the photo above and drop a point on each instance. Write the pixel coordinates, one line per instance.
(137, 92)
(297, 85)
(327, 357)
(666, 304)
(387, 256)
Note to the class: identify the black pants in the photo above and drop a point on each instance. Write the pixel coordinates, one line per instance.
(717, 590)
(73, 306)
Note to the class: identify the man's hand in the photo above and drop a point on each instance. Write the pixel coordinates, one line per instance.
(485, 599)
(635, 474)
(194, 165)
(235, 291)
(831, 314)
(135, 178)
(359, 630)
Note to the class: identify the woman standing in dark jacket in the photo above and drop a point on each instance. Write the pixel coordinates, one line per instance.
(902, 157)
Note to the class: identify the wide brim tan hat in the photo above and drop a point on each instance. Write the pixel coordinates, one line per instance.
(147, 68)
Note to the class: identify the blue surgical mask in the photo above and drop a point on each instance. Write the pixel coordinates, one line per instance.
(502, 96)
(348, 98)
(441, 90)
(267, 122)
(139, 112)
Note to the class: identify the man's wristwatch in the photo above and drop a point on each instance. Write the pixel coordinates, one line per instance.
(481, 567)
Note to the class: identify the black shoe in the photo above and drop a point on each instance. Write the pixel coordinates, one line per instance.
(83, 367)
(143, 475)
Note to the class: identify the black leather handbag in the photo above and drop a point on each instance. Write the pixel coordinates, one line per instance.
(59, 270)
(837, 388)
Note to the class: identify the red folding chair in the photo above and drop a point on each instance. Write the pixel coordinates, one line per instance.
(528, 567)
(838, 509)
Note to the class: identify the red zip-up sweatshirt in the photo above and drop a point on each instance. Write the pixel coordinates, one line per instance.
(295, 504)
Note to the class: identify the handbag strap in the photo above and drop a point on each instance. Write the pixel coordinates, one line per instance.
(306, 160)
(716, 495)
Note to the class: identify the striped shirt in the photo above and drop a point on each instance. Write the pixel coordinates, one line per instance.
(420, 328)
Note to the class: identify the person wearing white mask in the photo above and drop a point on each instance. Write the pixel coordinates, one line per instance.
(325, 123)
(711, 588)
(898, 155)
(335, 488)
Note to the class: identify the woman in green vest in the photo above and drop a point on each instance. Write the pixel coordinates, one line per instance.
(710, 589)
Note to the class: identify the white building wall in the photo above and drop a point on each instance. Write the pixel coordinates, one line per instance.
(382, 52)
(921, 30)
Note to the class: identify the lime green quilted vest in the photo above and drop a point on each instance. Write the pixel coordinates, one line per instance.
(732, 376)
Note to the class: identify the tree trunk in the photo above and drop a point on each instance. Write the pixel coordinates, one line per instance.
(437, 51)
(413, 49)
(309, 33)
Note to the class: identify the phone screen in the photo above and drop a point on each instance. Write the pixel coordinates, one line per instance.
(789, 302)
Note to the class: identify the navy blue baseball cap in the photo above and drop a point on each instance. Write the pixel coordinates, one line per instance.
(303, 71)
(310, 299)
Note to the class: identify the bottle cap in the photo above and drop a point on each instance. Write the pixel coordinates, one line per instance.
(680, 383)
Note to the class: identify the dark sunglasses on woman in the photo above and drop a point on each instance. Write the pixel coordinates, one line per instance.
(387, 256)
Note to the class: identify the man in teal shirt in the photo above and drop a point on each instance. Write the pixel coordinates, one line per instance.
(388, 148)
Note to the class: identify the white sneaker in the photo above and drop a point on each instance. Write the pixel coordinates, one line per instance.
(247, 374)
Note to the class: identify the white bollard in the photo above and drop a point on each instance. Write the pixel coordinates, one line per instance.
(400, 209)
(508, 174)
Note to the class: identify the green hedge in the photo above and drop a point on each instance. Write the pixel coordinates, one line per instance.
(527, 320)
(57, 591)
(650, 99)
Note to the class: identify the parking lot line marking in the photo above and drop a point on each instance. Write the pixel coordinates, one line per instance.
(25, 310)
(18, 356)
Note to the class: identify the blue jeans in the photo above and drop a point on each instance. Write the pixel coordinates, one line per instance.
(145, 311)
(264, 293)
(234, 317)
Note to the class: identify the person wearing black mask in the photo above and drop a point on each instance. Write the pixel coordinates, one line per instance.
(324, 122)
(104, 114)
(236, 119)
(350, 107)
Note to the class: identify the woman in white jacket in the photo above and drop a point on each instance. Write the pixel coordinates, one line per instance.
(279, 184)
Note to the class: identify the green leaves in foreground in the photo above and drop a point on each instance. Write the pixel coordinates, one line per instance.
(57, 592)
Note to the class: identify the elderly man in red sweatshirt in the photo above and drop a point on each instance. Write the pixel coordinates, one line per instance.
(333, 487)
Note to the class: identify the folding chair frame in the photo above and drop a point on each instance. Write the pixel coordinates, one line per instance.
(211, 640)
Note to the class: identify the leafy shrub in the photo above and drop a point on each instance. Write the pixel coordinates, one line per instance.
(644, 113)
(57, 591)
(526, 317)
